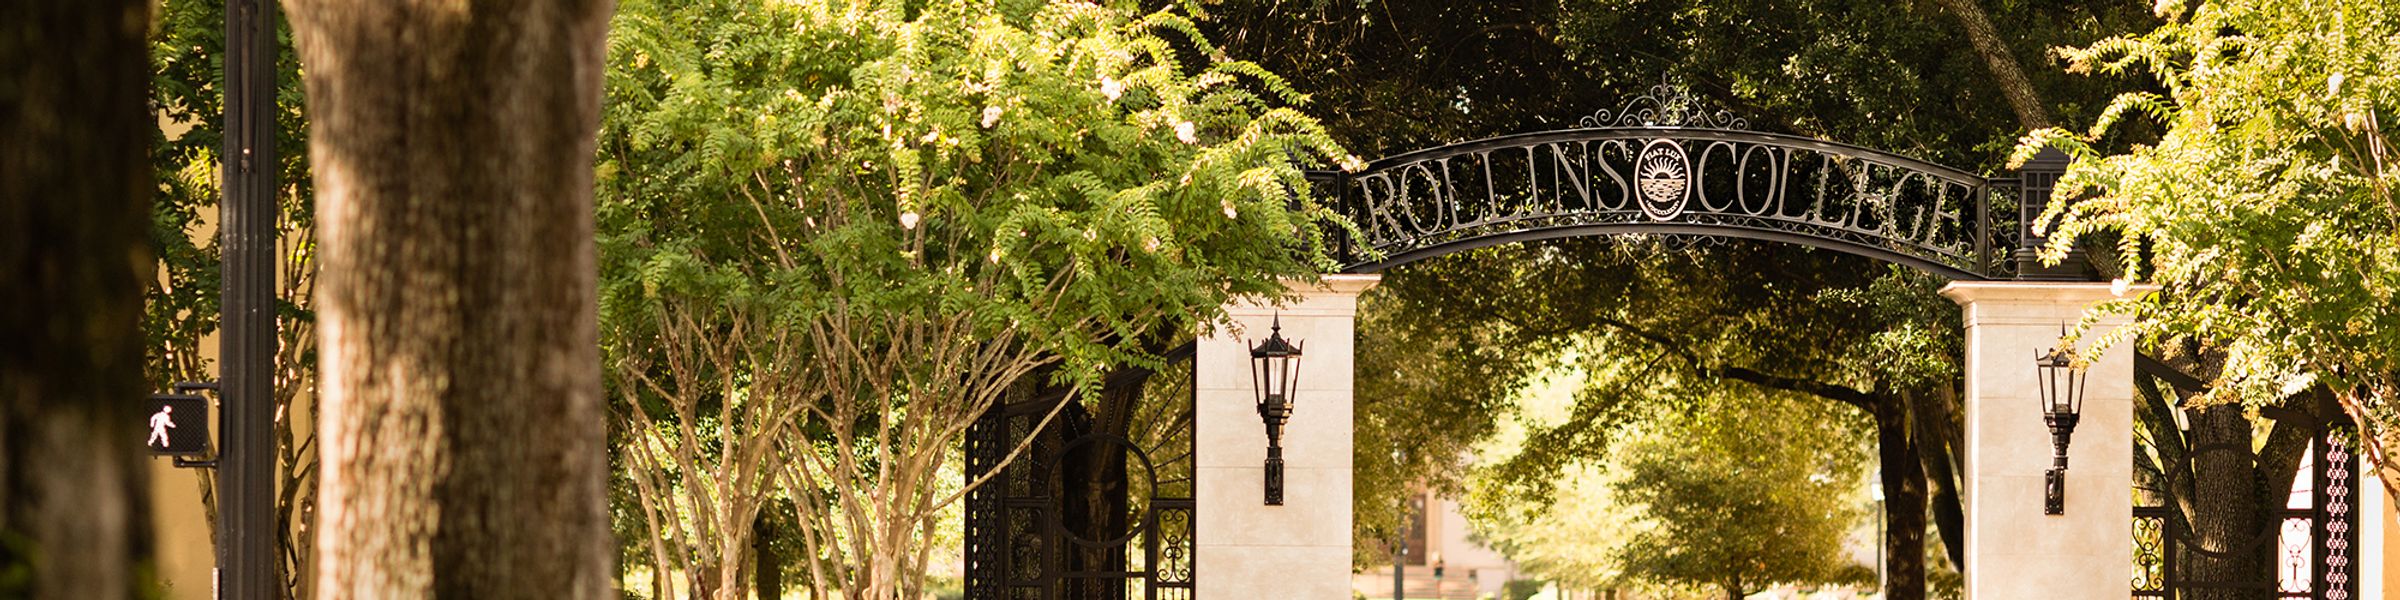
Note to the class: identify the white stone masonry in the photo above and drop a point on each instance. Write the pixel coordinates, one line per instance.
(1300, 550)
(2014, 551)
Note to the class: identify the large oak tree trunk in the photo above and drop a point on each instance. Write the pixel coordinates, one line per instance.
(1903, 479)
(462, 417)
(74, 209)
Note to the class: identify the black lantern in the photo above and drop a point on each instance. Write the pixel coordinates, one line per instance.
(1275, 369)
(2061, 385)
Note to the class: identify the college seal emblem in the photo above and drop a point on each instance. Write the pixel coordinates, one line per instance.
(1663, 174)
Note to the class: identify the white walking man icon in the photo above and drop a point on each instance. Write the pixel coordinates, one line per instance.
(159, 424)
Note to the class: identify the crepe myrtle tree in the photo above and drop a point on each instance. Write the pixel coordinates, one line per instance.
(834, 233)
(2266, 212)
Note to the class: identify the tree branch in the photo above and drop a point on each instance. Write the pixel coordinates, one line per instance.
(1838, 393)
(2003, 63)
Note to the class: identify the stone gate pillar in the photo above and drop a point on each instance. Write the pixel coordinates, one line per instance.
(2013, 550)
(1246, 549)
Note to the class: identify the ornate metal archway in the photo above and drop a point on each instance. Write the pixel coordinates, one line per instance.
(1657, 166)
(1662, 166)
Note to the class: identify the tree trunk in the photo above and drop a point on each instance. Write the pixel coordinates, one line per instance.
(2005, 72)
(462, 420)
(2222, 485)
(769, 570)
(75, 190)
(1939, 443)
(1903, 479)
(2226, 512)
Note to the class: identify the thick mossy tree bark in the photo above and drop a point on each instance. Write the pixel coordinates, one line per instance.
(463, 425)
(767, 569)
(1940, 441)
(74, 212)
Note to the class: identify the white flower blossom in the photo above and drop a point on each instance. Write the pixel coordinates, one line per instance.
(1186, 132)
(908, 220)
(991, 116)
(1111, 88)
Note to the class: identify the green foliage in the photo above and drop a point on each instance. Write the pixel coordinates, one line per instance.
(1704, 486)
(1574, 540)
(833, 233)
(841, 160)
(1646, 313)
(1520, 589)
(1428, 392)
(1897, 75)
(2266, 210)
(1750, 495)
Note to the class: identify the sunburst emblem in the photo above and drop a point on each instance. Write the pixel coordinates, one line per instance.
(1662, 173)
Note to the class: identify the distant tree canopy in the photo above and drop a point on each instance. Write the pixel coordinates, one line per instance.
(1705, 485)
(1756, 492)
(1395, 75)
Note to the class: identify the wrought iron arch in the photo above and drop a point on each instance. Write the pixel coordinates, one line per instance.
(1663, 165)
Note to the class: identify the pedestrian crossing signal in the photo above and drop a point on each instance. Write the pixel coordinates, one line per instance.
(176, 425)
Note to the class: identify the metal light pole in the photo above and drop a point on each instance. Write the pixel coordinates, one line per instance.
(246, 528)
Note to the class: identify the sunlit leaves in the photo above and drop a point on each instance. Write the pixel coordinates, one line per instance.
(894, 212)
(2267, 209)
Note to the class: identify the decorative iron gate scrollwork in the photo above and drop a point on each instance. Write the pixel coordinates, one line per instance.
(2314, 556)
(1022, 527)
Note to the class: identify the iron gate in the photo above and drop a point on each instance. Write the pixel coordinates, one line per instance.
(1030, 535)
(2314, 534)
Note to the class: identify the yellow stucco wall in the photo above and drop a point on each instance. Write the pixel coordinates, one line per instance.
(180, 526)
